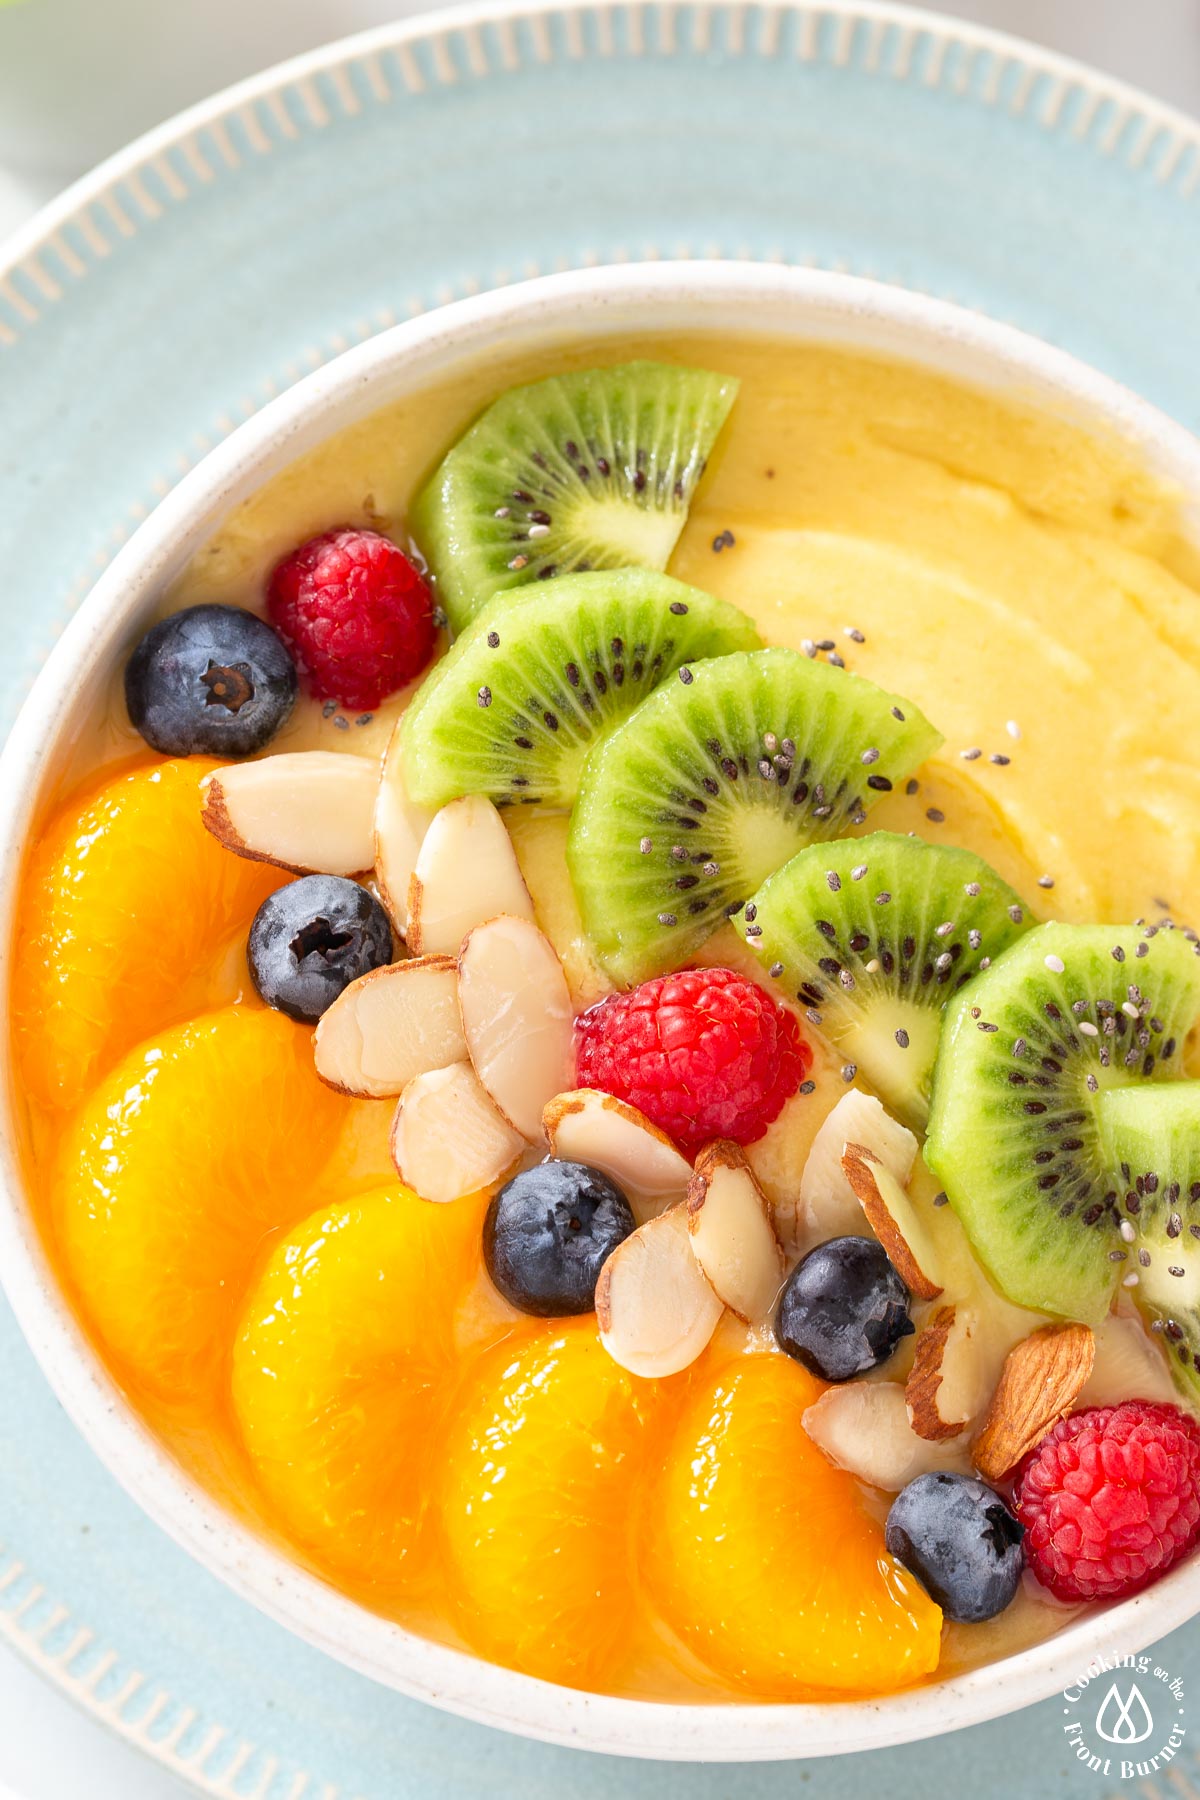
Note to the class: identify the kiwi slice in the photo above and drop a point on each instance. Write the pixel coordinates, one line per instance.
(543, 672)
(717, 779)
(1151, 1138)
(871, 936)
(1033, 1047)
(593, 470)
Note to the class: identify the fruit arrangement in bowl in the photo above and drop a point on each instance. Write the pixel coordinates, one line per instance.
(604, 1019)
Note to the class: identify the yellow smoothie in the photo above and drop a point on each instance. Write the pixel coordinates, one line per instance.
(1031, 588)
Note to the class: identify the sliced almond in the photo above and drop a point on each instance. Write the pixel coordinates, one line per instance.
(517, 1018)
(448, 1139)
(863, 1427)
(947, 1385)
(655, 1309)
(733, 1236)
(1041, 1380)
(466, 872)
(399, 830)
(827, 1206)
(307, 810)
(1129, 1365)
(895, 1221)
(590, 1127)
(390, 1026)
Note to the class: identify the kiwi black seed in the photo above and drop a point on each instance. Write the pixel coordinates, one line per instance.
(871, 937)
(543, 672)
(1151, 1139)
(590, 470)
(1034, 1046)
(718, 778)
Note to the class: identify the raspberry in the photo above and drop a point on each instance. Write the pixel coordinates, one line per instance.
(356, 613)
(1110, 1499)
(703, 1054)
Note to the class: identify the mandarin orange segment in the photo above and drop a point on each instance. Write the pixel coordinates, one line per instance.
(340, 1371)
(762, 1555)
(132, 905)
(195, 1146)
(541, 1465)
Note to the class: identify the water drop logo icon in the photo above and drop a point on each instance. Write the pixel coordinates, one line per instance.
(1124, 1720)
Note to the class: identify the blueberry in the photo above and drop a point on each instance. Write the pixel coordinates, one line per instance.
(548, 1233)
(212, 681)
(311, 939)
(960, 1541)
(843, 1309)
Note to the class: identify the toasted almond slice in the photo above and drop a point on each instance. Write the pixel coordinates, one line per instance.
(591, 1127)
(307, 810)
(399, 830)
(655, 1309)
(448, 1139)
(466, 872)
(517, 1018)
(895, 1221)
(733, 1236)
(827, 1206)
(862, 1427)
(1041, 1380)
(1129, 1365)
(946, 1386)
(390, 1026)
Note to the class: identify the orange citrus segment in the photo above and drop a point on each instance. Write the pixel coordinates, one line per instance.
(339, 1372)
(540, 1467)
(762, 1555)
(131, 905)
(195, 1146)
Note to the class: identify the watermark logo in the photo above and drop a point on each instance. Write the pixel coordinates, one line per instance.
(1124, 1719)
(1141, 1704)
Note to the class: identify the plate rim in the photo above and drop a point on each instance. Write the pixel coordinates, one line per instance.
(99, 182)
(24, 245)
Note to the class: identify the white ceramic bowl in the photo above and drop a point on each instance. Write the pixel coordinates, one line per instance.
(731, 297)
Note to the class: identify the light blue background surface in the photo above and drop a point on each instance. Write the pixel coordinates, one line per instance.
(236, 262)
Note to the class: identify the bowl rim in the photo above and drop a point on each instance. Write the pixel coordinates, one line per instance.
(756, 299)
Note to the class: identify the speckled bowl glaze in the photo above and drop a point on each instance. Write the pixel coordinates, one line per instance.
(599, 304)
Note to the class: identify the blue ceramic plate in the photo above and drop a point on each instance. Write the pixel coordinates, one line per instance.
(189, 280)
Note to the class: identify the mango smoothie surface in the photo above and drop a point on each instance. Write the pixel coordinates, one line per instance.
(607, 1038)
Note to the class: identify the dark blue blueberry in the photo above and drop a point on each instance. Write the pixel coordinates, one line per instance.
(548, 1233)
(210, 681)
(311, 939)
(843, 1309)
(960, 1541)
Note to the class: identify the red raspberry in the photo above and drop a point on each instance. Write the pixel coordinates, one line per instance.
(356, 614)
(1110, 1499)
(704, 1054)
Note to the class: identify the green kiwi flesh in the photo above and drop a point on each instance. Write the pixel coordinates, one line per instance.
(1151, 1138)
(543, 672)
(1032, 1047)
(717, 779)
(591, 470)
(872, 937)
